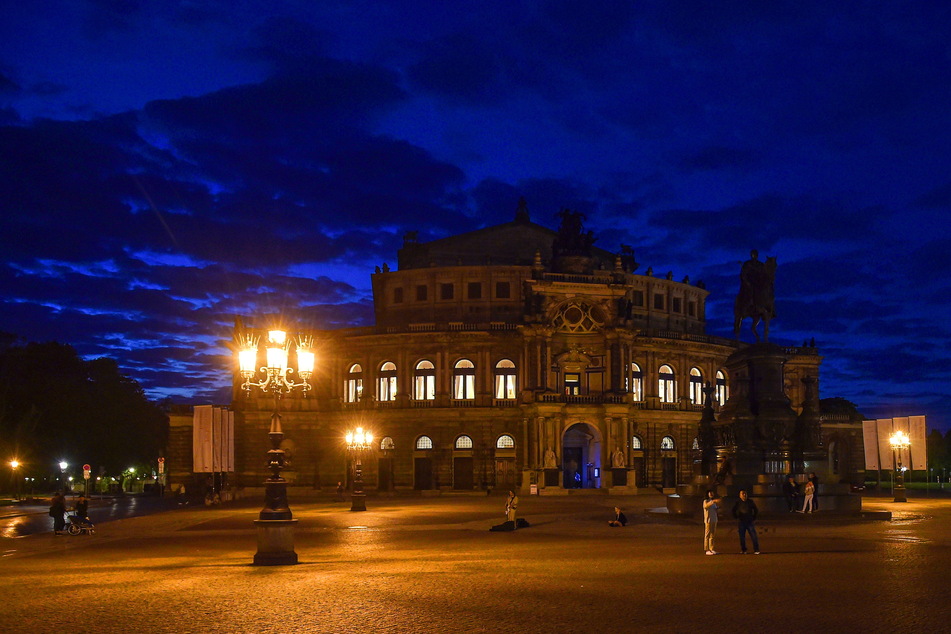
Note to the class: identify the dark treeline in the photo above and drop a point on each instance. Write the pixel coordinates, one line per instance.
(56, 406)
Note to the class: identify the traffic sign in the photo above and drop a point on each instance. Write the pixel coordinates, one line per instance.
(86, 467)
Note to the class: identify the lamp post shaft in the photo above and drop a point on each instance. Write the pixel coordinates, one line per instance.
(358, 500)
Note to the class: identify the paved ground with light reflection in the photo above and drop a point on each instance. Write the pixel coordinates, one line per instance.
(430, 565)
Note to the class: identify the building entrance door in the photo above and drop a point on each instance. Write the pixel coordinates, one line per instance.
(668, 472)
(462, 479)
(574, 468)
(505, 474)
(422, 474)
(581, 451)
(384, 474)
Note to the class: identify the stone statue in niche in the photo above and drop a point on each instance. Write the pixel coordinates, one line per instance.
(617, 459)
(551, 462)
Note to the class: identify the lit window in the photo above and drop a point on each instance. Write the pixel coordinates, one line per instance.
(463, 380)
(386, 385)
(505, 442)
(463, 442)
(424, 442)
(425, 381)
(722, 393)
(666, 385)
(636, 383)
(387, 444)
(505, 379)
(667, 442)
(636, 443)
(696, 386)
(353, 388)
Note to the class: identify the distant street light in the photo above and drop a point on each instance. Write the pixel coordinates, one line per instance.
(899, 442)
(275, 522)
(62, 473)
(358, 442)
(14, 465)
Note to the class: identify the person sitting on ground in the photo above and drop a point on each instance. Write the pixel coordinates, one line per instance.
(619, 518)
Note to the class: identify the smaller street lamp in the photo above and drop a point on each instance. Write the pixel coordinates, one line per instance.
(358, 442)
(14, 465)
(900, 441)
(62, 470)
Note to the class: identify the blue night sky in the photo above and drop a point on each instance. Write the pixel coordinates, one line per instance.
(165, 166)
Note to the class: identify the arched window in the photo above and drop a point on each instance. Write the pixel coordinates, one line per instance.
(463, 442)
(425, 389)
(636, 443)
(463, 380)
(505, 442)
(696, 386)
(424, 442)
(667, 385)
(667, 442)
(387, 444)
(353, 386)
(505, 379)
(636, 385)
(386, 385)
(722, 394)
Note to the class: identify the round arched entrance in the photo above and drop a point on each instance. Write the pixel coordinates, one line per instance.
(581, 457)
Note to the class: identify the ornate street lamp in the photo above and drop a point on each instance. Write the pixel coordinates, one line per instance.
(358, 442)
(900, 441)
(14, 465)
(62, 471)
(275, 522)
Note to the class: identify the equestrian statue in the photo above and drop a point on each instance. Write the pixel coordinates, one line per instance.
(755, 299)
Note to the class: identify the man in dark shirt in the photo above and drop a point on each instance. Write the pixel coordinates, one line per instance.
(791, 491)
(745, 512)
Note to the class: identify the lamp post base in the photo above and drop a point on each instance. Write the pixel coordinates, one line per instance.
(358, 502)
(275, 543)
(900, 495)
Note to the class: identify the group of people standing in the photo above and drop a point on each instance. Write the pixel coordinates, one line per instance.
(810, 491)
(745, 512)
(58, 511)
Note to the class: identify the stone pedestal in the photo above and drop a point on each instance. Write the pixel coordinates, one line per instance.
(275, 543)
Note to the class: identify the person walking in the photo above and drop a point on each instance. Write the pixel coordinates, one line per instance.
(619, 518)
(745, 511)
(710, 507)
(58, 513)
(815, 490)
(807, 500)
(791, 492)
(510, 505)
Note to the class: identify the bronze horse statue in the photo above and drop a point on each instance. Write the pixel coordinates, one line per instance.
(755, 299)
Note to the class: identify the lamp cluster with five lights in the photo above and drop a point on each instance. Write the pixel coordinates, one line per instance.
(276, 371)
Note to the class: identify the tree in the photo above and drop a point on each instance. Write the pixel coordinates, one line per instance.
(56, 406)
(839, 405)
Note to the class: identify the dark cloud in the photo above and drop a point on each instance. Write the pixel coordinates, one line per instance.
(717, 158)
(939, 197)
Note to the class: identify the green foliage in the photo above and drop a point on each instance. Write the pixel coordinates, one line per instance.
(56, 406)
(839, 405)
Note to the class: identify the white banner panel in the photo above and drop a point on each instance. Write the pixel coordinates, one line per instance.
(885, 453)
(229, 443)
(919, 442)
(216, 439)
(870, 437)
(202, 443)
